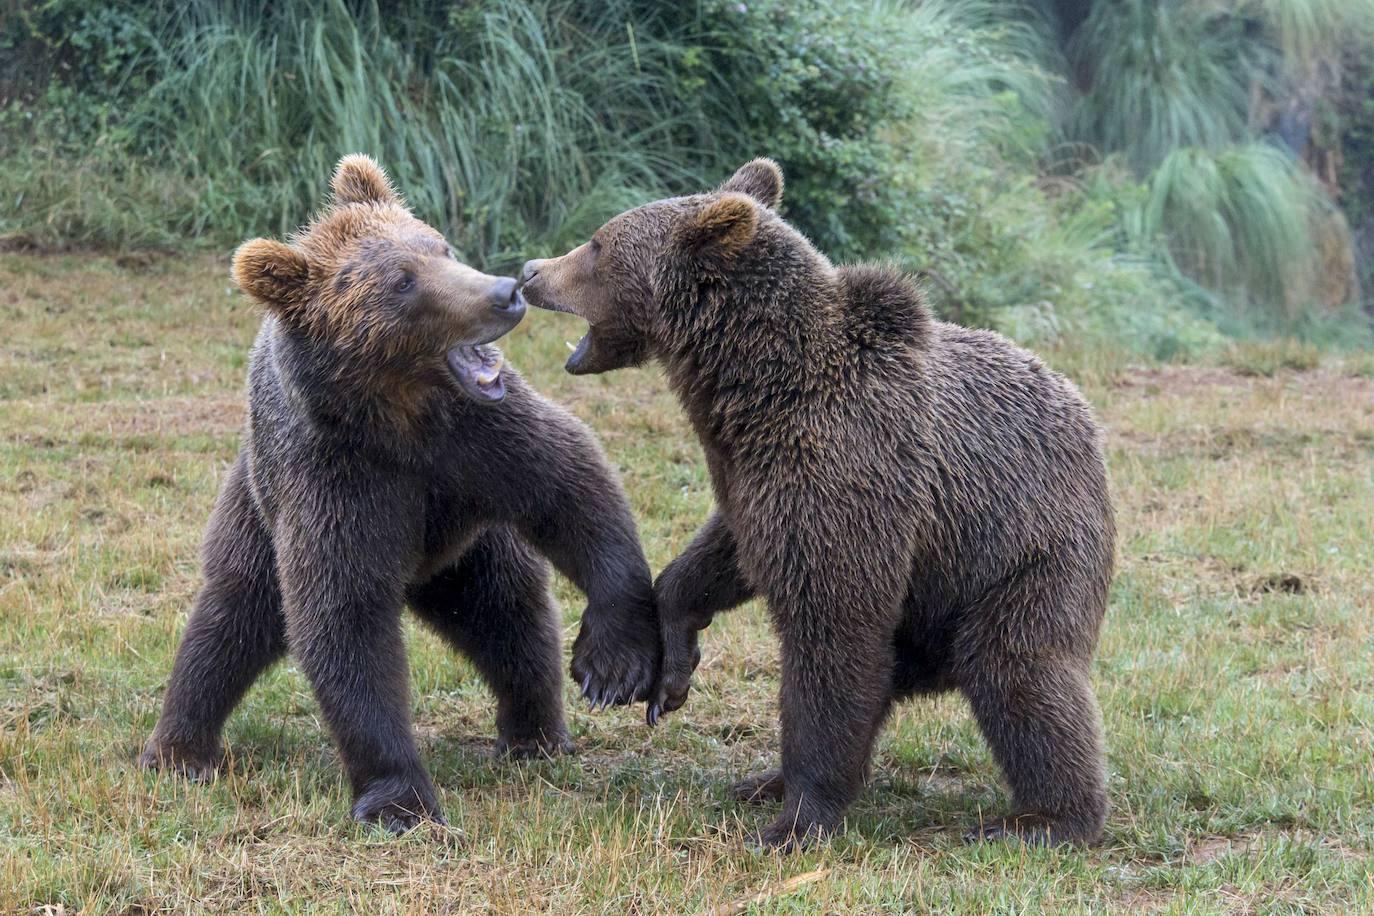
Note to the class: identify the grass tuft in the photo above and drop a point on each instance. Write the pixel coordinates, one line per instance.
(1160, 76)
(1268, 358)
(1242, 220)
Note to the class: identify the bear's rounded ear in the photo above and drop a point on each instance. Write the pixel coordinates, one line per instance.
(761, 179)
(358, 179)
(723, 226)
(273, 273)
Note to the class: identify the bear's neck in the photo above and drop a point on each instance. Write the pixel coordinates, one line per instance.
(740, 363)
(760, 366)
(354, 396)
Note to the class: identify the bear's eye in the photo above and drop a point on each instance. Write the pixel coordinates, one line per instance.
(405, 284)
(452, 255)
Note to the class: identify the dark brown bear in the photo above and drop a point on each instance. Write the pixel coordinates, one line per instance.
(924, 507)
(391, 460)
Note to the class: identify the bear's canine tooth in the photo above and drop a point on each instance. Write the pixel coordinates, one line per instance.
(571, 345)
(488, 374)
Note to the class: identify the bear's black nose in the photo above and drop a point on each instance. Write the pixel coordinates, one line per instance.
(529, 270)
(502, 294)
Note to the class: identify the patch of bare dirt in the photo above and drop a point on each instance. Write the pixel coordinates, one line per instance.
(1146, 900)
(217, 415)
(1211, 848)
(1223, 443)
(1175, 381)
(1286, 583)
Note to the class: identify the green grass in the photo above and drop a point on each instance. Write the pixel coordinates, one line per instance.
(1236, 672)
(1306, 31)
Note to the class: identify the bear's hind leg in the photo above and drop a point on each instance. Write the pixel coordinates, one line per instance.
(1043, 724)
(493, 605)
(768, 785)
(836, 685)
(235, 632)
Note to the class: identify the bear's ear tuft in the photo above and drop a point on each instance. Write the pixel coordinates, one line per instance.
(360, 180)
(722, 227)
(761, 179)
(271, 272)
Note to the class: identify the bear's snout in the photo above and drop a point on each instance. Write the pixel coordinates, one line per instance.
(534, 284)
(504, 296)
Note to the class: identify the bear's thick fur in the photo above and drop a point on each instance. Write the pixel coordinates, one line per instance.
(924, 507)
(391, 459)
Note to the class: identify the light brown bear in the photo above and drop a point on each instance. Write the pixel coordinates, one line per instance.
(392, 459)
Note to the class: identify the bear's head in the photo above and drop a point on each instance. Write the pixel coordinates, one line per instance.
(651, 274)
(383, 290)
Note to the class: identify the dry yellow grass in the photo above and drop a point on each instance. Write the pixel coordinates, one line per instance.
(1236, 672)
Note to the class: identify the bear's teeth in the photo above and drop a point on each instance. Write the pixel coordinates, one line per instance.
(487, 374)
(571, 346)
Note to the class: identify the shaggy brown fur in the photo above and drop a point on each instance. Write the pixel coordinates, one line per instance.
(391, 460)
(924, 507)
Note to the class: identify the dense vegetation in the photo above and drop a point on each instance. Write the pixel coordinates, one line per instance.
(1152, 173)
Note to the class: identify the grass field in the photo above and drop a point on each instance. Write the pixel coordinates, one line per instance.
(1236, 671)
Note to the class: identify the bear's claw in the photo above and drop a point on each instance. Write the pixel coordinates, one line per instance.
(616, 669)
(196, 764)
(786, 836)
(681, 655)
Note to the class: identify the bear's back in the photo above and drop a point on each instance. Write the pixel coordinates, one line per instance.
(1019, 453)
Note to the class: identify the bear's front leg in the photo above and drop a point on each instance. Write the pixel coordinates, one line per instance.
(572, 508)
(703, 581)
(341, 578)
(616, 653)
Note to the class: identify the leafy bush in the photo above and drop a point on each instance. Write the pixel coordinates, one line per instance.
(499, 135)
(816, 85)
(513, 126)
(1304, 31)
(1184, 91)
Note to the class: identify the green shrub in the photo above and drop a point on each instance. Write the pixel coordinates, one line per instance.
(500, 135)
(1304, 31)
(1359, 365)
(926, 132)
(514, 126)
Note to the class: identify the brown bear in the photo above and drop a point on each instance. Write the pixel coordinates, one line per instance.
(391, 459)
(923, 506)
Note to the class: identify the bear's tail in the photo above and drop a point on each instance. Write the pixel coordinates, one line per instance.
(884, 308)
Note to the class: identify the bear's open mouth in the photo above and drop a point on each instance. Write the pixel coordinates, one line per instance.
(478, 370)
(579, 353)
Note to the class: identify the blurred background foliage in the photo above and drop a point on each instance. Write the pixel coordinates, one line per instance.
(1154, 175)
